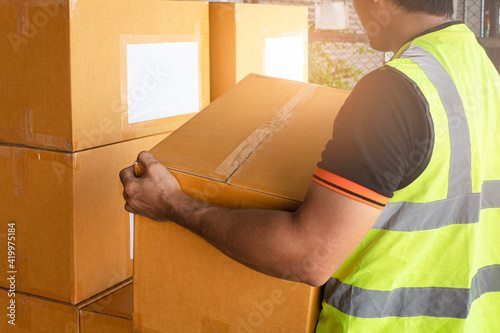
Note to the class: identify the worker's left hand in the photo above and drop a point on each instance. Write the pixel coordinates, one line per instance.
(155, 193)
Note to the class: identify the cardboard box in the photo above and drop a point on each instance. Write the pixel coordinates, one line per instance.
(35, 314)
(260, 150)
(252, 38)
(81, 74)
(72, 234)
(111, 314)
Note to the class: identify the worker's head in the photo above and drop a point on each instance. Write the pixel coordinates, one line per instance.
(382, 19)
(432, 7)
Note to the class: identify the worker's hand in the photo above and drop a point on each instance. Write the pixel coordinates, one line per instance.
(155, 193)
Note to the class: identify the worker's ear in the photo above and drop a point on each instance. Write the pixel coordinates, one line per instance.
(392, 6)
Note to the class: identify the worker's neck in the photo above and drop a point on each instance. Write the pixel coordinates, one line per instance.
(408, 25)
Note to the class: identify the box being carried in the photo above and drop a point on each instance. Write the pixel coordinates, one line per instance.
(80, 74)
(254, 147)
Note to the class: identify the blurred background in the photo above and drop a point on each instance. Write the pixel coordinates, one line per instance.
(339, 55)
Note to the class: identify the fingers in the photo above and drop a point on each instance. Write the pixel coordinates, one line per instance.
(127, 175)
(129, 209)
(146, 159)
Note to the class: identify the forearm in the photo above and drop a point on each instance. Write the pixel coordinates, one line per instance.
(271, 242)
(307, 245)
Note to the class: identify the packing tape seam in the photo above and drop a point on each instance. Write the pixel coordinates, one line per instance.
(27, 124)
(104, 293)
(73, 9)
(34, 3)
(22, 10)
(40, 298)
(20, 171)
(105, 314)
(27, 132)
(57, 150)
(239, 155)
(22, 17)
(23, 146)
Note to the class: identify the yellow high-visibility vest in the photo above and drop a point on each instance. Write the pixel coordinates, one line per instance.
(431, 263)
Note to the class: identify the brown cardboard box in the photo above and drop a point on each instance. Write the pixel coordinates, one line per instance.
(31, 314)
(80, 74)
(91, 322)
(247, 38)
(72, 234)
(264, 138)
(108, 312)
(111, 314)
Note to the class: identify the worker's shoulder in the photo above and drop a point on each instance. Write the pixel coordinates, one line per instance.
(384, 77)
(383, 85)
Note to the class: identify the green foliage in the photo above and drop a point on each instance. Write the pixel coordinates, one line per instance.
(324, 71)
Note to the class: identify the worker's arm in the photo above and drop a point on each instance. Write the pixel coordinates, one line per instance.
(308, 245)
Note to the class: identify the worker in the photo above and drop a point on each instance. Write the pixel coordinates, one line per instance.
(401, 220)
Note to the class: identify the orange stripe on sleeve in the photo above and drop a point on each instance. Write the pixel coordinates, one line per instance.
(349, 189)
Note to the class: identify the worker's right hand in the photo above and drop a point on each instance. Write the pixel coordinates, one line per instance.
(156, 194)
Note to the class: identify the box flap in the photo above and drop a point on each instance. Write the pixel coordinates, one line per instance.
(119, 303)
(261, 135)
(216, 141)
(285, 161)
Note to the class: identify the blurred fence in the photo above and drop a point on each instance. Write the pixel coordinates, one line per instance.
(340, 58)
(482, 17)
(337, 58)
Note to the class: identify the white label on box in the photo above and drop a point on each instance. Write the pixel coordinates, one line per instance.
(132, 220)
(162, 80)
(284, 58)
(331, 16)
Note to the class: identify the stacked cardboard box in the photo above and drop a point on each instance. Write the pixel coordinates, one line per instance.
(108, 312)
(85, 87)
(265, 138)
(262, 39)
(72, 236)
(89, 84)
(82, 74)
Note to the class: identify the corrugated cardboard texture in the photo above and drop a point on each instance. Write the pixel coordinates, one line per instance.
(61, 67)
(267, 134)
(111, 314)
(118, 303)
(237, 39)
(91, 322)
(34, 315)
(72, 233)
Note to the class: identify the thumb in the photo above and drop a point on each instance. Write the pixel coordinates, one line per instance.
(146, 159)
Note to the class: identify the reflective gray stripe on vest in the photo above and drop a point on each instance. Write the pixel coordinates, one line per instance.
(460, 180)
(414, 216)
(412, 302)
(491, 194)
(461, 206)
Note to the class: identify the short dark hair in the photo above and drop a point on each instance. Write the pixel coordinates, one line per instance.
(433, 7)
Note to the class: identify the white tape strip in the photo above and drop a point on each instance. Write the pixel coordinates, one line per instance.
(132, 220)
(245, 149)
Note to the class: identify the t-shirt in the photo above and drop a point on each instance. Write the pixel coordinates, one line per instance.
(382, 139)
